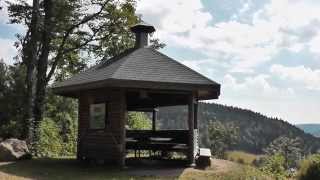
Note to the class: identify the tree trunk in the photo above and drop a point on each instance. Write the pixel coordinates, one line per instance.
(42, 67)
(30, 58)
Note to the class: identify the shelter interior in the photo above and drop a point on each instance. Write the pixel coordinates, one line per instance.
(109, 140)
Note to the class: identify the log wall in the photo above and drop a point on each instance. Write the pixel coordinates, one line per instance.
(107, 144)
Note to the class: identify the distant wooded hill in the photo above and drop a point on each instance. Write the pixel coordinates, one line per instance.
(256, 130)
(313, 129)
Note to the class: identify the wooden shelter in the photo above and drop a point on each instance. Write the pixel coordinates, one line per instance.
(139, 79)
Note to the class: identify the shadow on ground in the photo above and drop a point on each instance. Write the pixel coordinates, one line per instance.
(73, 169)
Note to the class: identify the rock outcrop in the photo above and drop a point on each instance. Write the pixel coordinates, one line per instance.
(13, 149)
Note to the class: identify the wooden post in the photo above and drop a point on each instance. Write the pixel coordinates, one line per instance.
(196, 114)
(79, 155)
(122, 129)
(191, 129)
(154, 118)
(196, 130)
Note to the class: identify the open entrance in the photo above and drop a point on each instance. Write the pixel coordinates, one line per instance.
(146, 139)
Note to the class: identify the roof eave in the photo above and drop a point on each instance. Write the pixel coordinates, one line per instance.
(74, 90)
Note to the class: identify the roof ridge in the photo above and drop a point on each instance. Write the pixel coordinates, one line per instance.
(177, 62)
(115, 58)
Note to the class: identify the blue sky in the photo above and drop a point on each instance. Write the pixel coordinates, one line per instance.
(265, 53)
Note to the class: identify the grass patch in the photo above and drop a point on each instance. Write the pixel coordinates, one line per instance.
(238, 173)
(247, 172)
(241, 157)
(56, 169)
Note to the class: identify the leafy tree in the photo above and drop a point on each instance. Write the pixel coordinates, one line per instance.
(59, 34)
(11, 96)
(222, 137)
(138, 121)
(64, 113)
(274, 165)
(289, 148)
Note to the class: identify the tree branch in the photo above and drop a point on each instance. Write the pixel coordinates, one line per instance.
(69, 31)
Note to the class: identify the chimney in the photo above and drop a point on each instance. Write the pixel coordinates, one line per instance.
(142, 30)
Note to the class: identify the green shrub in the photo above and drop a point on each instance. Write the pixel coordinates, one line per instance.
(50, 142)
(289, 148)
(68, 132)
(222, 137)
(310, 168)
(274, 166)
(246, 172)
(139, 121)
(258, 161)
(9, 130)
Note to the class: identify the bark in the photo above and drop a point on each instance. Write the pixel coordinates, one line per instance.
(42, 67)
(30, 58)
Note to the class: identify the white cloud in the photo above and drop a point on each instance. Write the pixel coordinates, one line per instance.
(7, 50)
(314, 44)
(176, 15)
(3, 13)
(252, 87)
(207, 67)
(300, 74)
(281, 24)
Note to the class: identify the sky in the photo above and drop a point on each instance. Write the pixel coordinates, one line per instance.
(264, 53)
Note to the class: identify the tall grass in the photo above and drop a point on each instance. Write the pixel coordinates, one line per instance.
(242, 157)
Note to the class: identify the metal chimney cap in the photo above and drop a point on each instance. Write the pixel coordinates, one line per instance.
(143, 27)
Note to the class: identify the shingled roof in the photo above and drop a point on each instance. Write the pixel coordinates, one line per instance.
(139, 67)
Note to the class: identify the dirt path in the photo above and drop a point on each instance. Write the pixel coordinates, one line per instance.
(222, 166)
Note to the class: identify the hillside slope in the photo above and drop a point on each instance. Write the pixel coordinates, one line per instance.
(313, 129)
(256, 130)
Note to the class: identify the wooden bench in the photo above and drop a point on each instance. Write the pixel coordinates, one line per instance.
(203, 158)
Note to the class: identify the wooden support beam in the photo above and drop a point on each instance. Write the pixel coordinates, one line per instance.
(159, 91)
(122, 122)
(191, 129)
(196, 115)
(154, 118)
